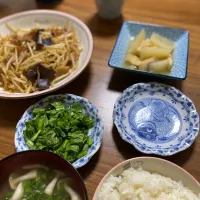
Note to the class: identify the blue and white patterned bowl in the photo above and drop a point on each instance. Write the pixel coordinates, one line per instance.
(131, 29)
(156, 118)
(96, 133)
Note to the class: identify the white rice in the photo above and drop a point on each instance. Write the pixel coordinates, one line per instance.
(141, 185)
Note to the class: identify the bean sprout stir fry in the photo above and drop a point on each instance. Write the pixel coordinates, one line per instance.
(36, 59)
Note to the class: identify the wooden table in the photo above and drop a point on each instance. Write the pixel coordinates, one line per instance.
(102, 85)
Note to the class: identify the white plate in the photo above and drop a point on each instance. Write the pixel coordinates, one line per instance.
(48, 18)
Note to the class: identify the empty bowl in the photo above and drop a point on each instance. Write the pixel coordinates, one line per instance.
(156, 118)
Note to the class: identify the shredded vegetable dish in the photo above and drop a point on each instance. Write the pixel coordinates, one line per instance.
(36, 59)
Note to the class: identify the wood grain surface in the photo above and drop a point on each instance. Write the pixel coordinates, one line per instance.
(102, 84)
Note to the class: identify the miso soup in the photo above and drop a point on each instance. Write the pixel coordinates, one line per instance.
(39, 182)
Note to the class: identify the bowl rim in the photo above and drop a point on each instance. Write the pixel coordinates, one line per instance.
(71, 77)
(135, 159)
(146, 73)
(56, 155)
(155, 25)
(136, 146)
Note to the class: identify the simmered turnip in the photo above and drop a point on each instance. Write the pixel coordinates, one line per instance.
(159, 66)
(134, 44)
(148, 52)
(161, 41)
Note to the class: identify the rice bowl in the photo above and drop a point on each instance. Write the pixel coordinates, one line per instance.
(147, 178)
(140, 184)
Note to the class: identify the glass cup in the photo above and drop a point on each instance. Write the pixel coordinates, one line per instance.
(49, 1)
(109, 9)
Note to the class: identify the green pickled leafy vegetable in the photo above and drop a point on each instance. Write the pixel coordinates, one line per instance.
(60, 129)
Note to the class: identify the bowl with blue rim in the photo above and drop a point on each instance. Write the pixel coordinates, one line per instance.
(78, 132)
(131, 29)
(156, 118)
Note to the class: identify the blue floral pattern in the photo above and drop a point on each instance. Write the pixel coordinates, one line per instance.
(154, 120)
(165, 141)
(96, 133)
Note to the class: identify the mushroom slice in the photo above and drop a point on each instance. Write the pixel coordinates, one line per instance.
(11, 179)
(50, 187)
(66, 180)
(19, 192)
(72, 193)
(14, 181)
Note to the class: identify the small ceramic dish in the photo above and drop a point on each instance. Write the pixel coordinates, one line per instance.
(46, 18)
(96, 133)
(156, 119)
(153, 165)
(131, 29)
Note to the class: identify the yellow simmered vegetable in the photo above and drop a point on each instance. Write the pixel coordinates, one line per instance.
(134, 44)
(154, 54)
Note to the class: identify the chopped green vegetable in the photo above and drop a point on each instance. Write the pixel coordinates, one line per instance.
(34, 189)
(60, 129)
(9, 195)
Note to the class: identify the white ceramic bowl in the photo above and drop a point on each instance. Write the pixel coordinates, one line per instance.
(48, 18)
(155, 165)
